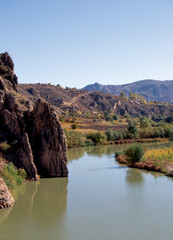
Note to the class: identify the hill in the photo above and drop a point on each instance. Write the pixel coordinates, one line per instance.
(152, 90)
(73, 100)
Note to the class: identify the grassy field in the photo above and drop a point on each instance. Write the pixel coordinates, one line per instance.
(87, 126)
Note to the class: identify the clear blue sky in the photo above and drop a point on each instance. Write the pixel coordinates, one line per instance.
(79, 42)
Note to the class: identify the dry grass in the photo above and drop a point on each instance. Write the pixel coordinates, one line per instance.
(160, 157)
(88, 126)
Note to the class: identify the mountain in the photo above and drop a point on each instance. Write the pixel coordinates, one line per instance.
(152, 90)
(73, 100)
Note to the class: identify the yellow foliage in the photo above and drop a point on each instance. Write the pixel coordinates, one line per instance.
(165, 155)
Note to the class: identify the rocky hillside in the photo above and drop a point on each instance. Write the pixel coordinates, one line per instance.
(32, 129)
(152, 90)
(73, 100)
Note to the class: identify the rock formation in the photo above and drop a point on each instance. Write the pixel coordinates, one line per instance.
(34, 133)
(6, 199)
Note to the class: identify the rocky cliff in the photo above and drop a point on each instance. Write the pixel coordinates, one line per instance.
(37, 141)
(6, 199)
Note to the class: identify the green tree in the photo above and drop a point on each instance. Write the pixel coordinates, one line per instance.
(134, 153)
(132, 129)
(144, 123)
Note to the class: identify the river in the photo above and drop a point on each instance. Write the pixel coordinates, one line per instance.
(100, 200)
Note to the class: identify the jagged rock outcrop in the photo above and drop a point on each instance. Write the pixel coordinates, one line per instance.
(7, 71)
(6, 199)
(37, 141)
(47, 140)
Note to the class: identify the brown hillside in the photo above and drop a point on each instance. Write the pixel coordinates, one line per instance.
(73, 100)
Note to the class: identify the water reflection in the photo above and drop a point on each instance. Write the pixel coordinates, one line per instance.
(134, 177)
(18, 191)
(75, 153)
(100, 151)
(50, 200)
(43, 204)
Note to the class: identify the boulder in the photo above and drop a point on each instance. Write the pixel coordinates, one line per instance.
(6, 199)
(169, 170)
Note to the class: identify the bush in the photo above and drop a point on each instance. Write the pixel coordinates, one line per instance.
(74, 126)
(12, 176)
(115, 117)
(4, 146)
(75, 139)
(97, 138)
(134, 153)
(144, 122)
(132, 129)
(110, 135)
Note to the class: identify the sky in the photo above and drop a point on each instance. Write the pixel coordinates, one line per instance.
(79, 42)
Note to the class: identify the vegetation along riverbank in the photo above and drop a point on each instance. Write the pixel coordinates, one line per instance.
(135, 156)
(122, 130)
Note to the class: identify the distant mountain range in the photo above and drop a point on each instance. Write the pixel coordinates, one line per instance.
(152, 90)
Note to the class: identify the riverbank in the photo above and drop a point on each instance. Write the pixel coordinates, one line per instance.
(159, 160)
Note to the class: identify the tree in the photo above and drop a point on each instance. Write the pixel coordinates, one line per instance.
(135, 97)
(115, 117)
(134, 153)
(74, 125)
(122, 94)
(132, 129)
(139, 97)
(109, 134)
(131, 95)
(144, 123)
(107, 116)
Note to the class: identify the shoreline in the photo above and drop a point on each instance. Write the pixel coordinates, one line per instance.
(127, 141)
(147, 165)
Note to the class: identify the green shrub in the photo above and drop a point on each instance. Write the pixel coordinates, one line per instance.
(144, 122)
(66, 133)
(97, 138)
(74, 126)
(12, 176)
(132, 129)
(110, 135)
(134, 153)
(4, 146)
(115, 117)
(75, 139)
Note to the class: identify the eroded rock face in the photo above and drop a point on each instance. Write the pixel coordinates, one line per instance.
(37, 141)
(6, 199)
(48, 141)
(7, 71)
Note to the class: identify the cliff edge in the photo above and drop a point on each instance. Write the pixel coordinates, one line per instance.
(37, 141)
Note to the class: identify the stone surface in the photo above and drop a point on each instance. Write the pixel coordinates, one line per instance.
(37, 141)
(169, 170)
(6, 199)
(48, 141)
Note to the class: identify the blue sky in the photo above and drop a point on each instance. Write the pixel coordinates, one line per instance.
(78, 42)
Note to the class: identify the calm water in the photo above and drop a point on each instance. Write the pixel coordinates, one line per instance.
(99, 200)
